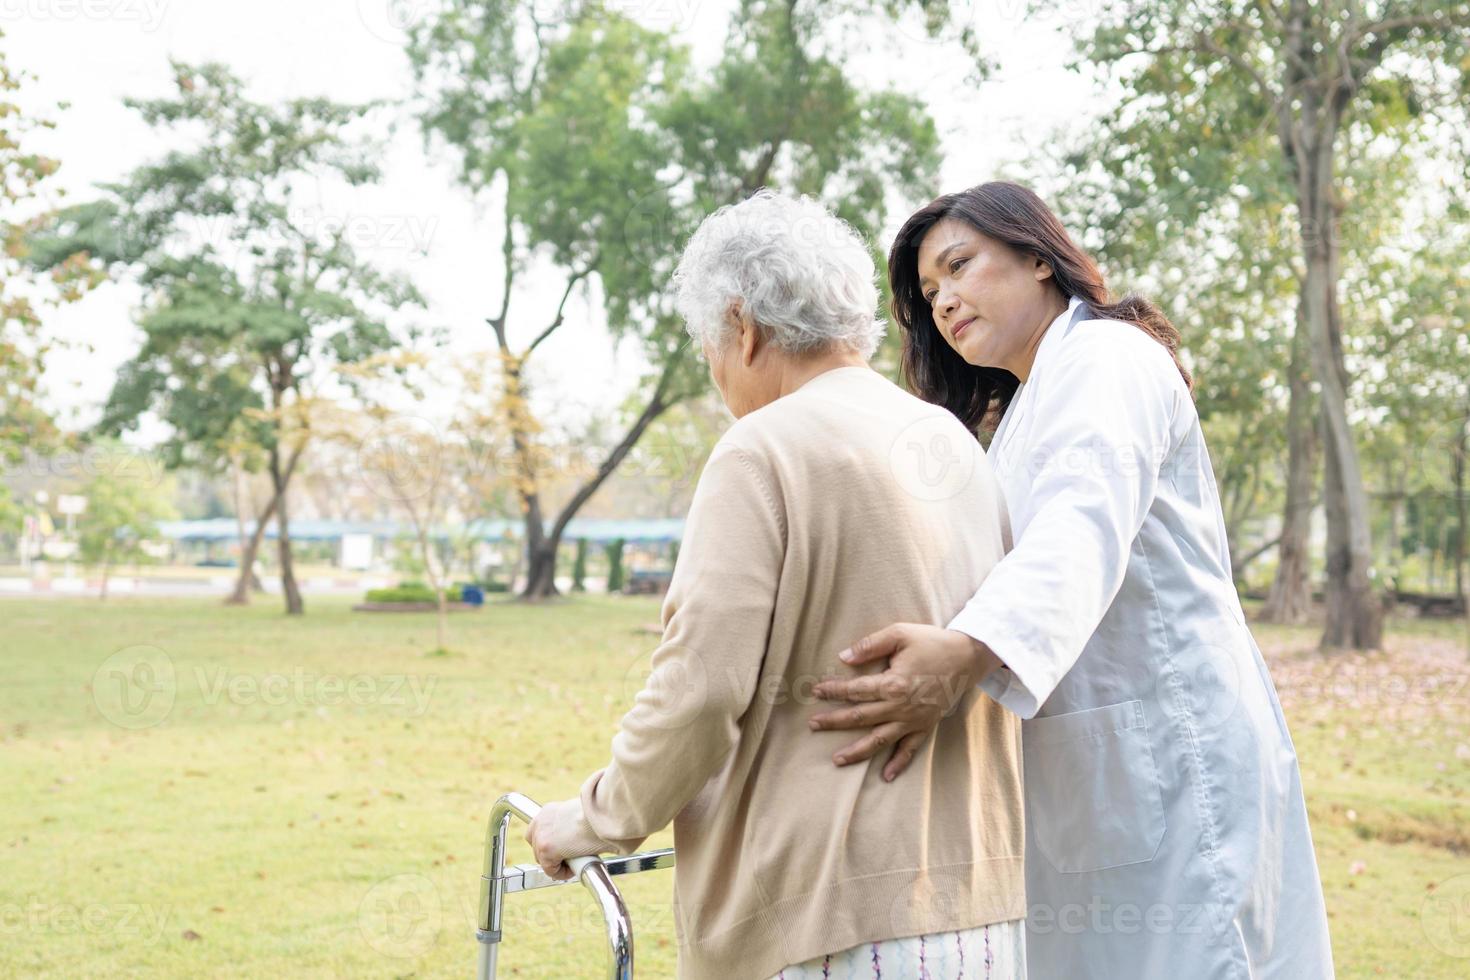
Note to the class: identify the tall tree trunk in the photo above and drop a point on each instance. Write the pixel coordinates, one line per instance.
(657, 405)
(247, 581)
(1316, 92)
(540, 568)
(1334, 505)
(279, 481)
(1290, 599)
(1461, 507)
(540, 550)
(1354, 610)
(1462, 448)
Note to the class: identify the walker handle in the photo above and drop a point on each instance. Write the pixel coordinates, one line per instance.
(592, 871)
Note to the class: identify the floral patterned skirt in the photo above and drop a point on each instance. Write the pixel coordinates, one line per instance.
(993, 952)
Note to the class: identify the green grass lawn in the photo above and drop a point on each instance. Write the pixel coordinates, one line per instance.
(307, 797)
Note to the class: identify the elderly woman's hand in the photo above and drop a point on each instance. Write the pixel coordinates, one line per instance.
(929, 670)
(550, 833)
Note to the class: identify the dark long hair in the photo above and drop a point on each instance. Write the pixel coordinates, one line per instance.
(1014, 216)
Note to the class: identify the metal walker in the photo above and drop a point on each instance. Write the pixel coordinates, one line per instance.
(497, 881)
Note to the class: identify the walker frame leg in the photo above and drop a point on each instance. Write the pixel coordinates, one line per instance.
(496, 881)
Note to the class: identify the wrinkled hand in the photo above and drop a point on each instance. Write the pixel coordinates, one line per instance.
(555, 826)
(929, 670)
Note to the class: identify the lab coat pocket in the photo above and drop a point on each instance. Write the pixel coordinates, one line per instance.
(1092, 787)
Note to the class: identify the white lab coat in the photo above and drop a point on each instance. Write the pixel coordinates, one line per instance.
(1166, 833)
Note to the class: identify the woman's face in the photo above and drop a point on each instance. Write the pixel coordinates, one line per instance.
(990, 302)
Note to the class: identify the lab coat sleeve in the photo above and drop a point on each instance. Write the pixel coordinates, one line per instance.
(1099, 432)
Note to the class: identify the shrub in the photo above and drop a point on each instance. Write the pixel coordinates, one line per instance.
(411, 592)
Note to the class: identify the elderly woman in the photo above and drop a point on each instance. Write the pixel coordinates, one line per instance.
(836, 503)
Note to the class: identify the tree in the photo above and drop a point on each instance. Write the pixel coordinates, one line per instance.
(606, 148)
(1208, 239)
(436, 474)
(614, 551)
(409, 463)
(122, 513)
(1307, 74)
(243, 459)
(1422, 428)
(251, 298)
(579, 567)
(24, 185)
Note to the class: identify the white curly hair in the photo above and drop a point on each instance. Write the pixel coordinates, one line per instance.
(801, 273)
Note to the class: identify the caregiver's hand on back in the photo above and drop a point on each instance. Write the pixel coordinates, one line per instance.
(929, 670)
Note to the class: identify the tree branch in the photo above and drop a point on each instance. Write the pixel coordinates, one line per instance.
(560, 308)
(1406, 22)
(1235, 58)
(1258, 552)
(507, 251)
(656, 406)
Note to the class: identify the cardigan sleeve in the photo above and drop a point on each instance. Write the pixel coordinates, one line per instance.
(716, 624)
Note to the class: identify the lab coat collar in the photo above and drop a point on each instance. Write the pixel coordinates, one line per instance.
(1059, 328)
(1076, 310)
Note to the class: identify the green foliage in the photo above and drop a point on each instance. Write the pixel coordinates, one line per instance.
(250, 298)
(249, 293)
(25, 291)
(1190, 191)
(407, 557)
(610, 147)
(123, 511)
(614, 551)
(412, 592)
(579, 567)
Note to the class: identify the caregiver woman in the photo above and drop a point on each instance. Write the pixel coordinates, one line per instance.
(1166, 834)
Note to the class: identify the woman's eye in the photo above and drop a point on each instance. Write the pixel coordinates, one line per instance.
(929, 298)
(955, 265)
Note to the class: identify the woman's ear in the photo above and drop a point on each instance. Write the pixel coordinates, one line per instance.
(1042, 270)
(750, 341)
(747, 334)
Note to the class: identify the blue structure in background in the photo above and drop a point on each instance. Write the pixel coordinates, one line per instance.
(596, 530)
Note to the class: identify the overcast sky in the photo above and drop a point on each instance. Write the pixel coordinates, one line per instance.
(91, 53)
